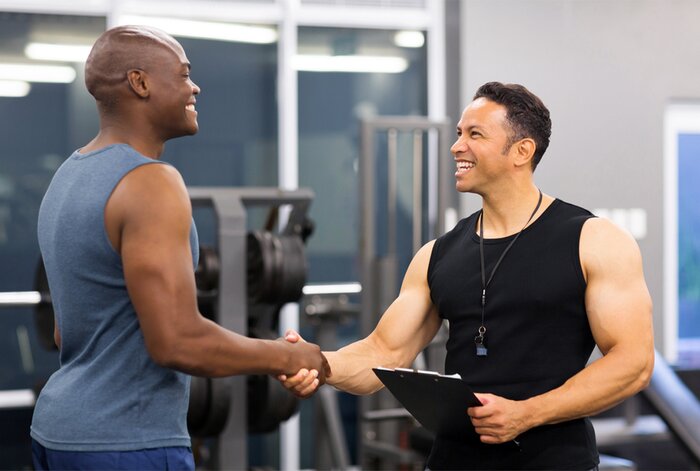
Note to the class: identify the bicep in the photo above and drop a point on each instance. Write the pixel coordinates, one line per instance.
(412, 320)
(155, 249)
(617, 298)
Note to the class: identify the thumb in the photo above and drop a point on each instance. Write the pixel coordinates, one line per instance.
(486, 398)
(292, 336)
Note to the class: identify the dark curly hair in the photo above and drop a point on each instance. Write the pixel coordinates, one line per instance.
(526, 114)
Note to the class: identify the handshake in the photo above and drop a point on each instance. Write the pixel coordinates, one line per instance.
(311, 367)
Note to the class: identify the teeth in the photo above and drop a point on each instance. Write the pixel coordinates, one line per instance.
(461, 165)
(189, 107)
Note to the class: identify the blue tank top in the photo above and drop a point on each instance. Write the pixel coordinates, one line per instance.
(108, 394)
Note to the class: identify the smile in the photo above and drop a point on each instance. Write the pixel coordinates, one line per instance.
(464, 166)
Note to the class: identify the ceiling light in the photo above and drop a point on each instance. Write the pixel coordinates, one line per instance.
(350, 63)
(206, 30)
(14, 88)
(57, 52)
(37, 73)
(409, 39)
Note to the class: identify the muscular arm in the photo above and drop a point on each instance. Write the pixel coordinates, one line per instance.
(406, 328)
(619, 311)
(148, 220)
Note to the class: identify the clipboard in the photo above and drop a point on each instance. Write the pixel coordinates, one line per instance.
(438, 402)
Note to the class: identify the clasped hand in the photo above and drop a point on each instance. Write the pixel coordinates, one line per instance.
(497, 420)
(306, 381)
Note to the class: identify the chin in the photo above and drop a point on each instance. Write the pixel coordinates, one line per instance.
(192, 130)
(462, 188)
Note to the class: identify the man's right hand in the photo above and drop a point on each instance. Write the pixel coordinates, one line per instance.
(303, 382)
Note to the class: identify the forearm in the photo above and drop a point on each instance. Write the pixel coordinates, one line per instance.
(603, 384)
(352, 366)
(207, 349)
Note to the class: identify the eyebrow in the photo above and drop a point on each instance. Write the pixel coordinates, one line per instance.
(471, 128)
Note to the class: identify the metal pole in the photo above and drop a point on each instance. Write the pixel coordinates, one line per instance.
(417, 190)
(391, 198)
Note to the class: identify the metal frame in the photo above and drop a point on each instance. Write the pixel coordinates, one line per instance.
(230, 205)
(379, 274)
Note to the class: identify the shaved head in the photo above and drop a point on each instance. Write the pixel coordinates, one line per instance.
(119, 50)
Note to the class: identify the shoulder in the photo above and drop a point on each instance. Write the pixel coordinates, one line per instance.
(604, 245)
(152, 190)
(598, 232)
(569, 211)
(460, 229)
(154, 178)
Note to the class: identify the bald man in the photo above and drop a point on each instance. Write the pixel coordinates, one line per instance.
(120, 248)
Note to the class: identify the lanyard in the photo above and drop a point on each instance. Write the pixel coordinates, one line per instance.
(480, 339)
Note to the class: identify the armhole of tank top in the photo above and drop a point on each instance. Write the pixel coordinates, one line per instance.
(433, 258)
(577, 251)
(431, 266)
(109, 196)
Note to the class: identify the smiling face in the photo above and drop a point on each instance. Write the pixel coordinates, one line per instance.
(172, 95)
(481, 150)
(159, 97)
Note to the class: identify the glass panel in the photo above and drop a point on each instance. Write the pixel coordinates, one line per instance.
(42, 123)
(237, 113)
(688, 250)
(39, 130)
(330, 106)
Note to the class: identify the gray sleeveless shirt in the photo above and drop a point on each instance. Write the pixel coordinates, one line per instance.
(108, 394)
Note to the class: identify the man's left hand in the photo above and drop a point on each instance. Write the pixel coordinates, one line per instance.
(498, 420)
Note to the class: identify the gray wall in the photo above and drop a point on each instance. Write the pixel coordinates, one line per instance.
(606, 69)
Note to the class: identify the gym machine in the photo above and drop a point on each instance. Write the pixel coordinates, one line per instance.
(422, 145)
(242, 283)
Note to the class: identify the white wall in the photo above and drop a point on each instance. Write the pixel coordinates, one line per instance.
(606, 69)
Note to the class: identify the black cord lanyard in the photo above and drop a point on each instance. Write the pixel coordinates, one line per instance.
(480, 339)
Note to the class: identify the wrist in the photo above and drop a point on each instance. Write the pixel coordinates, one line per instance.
(281, 356)
(532, 413)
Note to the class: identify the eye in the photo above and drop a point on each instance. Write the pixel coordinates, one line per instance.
(475, 134)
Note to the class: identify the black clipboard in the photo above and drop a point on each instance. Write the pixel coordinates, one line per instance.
(438, 402)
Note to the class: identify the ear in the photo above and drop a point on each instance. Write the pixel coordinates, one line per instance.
(523, 151)
(138, 82)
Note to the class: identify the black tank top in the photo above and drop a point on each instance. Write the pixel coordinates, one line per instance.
(537, 333)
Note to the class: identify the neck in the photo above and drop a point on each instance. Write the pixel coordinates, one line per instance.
(506, 213)
(115, 133)
(127, 128)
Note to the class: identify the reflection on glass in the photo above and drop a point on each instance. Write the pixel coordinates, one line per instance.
(237, 113)
(331, 103)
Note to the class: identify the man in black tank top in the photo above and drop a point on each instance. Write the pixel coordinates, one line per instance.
(529, 285)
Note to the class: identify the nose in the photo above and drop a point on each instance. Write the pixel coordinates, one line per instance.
(195, 89)
(458, 146)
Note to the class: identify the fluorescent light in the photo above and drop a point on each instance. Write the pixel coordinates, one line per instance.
(335, 288)
(57, 52)
(206, 29)
(17, 398)
(350, 63)
(14, 88)
(409, 39)
(37, 73)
